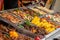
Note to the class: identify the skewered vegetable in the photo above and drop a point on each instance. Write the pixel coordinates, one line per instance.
(34, 29)
(22, 14)
(55, 17)
(10, 17)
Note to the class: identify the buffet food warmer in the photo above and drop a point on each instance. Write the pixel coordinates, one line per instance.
(31, 22)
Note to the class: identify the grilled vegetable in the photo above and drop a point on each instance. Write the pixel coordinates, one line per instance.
(27, 22)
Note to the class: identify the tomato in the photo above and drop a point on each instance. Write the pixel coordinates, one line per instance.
(37, 38)
(58, 26)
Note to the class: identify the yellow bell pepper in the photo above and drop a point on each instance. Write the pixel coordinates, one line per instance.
(38, 23)
(50, 30)
(48, 25)
(35, 20)
(13, 34)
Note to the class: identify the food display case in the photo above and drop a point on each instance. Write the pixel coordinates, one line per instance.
(31, 23)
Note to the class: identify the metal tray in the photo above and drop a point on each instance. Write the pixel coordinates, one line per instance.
(29, 10)
(11, 15)
(53, 35)
(27, 36)
(39, 11)
(57, 23)
(11, 10)
(21, 30)
(16, 14)
(4, 32)
(42, 9)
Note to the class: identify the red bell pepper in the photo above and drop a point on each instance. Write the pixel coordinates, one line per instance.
(37, 38)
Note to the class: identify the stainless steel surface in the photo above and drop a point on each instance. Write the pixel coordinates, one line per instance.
(53, 35)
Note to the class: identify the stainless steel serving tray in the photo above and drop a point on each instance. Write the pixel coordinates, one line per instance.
(52, 35)
(57, 23)
(16, 31)
(41, 8)
(18, 9)
(4, 12)
(21, 30)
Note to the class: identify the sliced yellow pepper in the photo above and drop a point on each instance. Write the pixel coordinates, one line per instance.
(35, 20)
(39, 24)
(50, 30)
(48, 26)
(13, 34)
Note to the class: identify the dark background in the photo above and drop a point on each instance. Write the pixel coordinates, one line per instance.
(9, 4)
